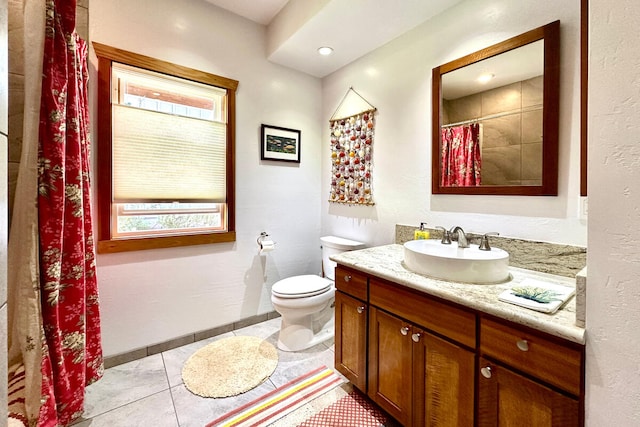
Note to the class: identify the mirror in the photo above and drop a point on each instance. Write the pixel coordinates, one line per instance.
(495, 118)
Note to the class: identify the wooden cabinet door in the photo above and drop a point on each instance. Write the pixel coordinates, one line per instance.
(444, 382)
(390, 366)
(508, 399)
(351, 339)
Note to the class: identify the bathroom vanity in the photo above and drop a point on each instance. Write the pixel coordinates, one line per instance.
(438, 353)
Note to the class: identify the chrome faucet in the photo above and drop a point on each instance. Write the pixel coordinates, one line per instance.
(484, 241)
(457, 233)
(446, 237)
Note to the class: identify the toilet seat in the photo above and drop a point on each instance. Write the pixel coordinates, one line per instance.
(301, 286)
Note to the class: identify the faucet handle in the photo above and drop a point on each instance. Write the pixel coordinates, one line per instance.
(446, 235)
(484, 241)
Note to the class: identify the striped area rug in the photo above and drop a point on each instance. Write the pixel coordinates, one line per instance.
(15, 397)
(281, 401)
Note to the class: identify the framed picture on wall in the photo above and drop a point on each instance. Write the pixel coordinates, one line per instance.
(280, 144)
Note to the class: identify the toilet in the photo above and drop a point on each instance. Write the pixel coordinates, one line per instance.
(306, 303)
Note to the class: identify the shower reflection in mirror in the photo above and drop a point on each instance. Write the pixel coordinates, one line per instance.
(493, 137)
(495, 118)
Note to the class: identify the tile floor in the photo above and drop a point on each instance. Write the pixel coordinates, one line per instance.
(149, 391)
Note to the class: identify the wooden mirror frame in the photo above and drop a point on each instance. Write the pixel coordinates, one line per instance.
(584, 89)
(550, 33)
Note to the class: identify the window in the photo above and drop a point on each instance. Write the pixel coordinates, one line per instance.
(165, 154)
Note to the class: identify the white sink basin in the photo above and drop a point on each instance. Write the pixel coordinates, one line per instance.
(448, 262)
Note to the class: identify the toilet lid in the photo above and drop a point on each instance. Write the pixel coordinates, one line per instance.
(301, 286)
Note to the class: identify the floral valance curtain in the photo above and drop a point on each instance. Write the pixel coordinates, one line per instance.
(461, 160)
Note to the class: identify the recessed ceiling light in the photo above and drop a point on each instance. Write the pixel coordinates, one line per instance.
(485, 78)
(325, 50)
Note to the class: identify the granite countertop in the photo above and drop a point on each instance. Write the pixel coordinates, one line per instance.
(386, 262)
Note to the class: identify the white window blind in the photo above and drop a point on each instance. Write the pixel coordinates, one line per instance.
(160, 157)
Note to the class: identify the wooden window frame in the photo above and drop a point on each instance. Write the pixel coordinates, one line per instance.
(106, 244)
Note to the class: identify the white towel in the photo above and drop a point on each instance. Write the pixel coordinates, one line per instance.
(562, 295)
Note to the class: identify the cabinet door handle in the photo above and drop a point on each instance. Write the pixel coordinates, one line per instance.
(347, 278)
(486, 371)
(360, 309)
(522, 345)
(404, 330)
(416, 337)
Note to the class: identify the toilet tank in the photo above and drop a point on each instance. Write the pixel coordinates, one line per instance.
(332, 245)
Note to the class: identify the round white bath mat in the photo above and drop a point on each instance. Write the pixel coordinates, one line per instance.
(229, 366)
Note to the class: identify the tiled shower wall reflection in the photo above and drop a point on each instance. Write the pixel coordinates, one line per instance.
(512, 143)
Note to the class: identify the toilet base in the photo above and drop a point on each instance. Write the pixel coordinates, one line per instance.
(297, 337)
(305, 332)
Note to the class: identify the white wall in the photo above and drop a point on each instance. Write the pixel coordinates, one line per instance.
(151, 296)
(397, 80)
(613, 289)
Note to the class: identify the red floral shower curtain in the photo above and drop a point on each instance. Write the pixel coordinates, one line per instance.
(461, 159)
(72, 353)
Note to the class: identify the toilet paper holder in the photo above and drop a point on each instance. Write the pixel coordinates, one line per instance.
(264, 237)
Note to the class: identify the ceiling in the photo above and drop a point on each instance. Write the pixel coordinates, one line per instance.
(353, 28)
(260, 11)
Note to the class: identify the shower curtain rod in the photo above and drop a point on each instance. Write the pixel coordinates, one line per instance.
(493, 116)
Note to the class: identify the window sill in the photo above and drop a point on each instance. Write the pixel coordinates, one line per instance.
(113, 246)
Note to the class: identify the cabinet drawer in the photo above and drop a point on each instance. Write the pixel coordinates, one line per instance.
(351, 282)
(549, 359)
(453, 322)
